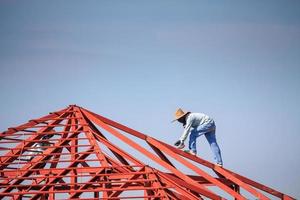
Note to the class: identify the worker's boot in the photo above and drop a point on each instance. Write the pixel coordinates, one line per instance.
(219, 164)
(190, 152)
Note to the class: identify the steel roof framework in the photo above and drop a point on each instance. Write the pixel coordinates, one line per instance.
(67, 155)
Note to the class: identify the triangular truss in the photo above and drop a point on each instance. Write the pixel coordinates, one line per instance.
(68, 154)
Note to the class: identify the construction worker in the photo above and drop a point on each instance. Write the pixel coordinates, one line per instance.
(195, 125)
(39, 147)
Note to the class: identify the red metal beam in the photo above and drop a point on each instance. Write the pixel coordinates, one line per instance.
(205, 175)
(194, 158)
(37, 159)
(156, 159)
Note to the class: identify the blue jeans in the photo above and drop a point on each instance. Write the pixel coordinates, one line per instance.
(209, 130)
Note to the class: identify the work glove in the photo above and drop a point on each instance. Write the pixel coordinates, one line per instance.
(179, 144)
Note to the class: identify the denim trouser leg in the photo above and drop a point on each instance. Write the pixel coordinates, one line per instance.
(211, 138)
(192, 140)
(198, 131)
(208, 130)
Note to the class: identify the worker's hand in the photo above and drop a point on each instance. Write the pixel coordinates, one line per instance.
(179, 144)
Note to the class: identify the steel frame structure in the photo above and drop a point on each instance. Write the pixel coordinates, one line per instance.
(68, 154)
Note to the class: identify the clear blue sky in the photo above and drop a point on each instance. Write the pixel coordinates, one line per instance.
(137, 61)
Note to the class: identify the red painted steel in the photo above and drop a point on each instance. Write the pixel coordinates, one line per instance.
(77, 154)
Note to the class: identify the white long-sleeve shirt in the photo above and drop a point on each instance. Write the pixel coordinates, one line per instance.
(193, 121)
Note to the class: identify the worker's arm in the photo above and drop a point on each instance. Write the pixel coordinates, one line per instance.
(187, 130)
